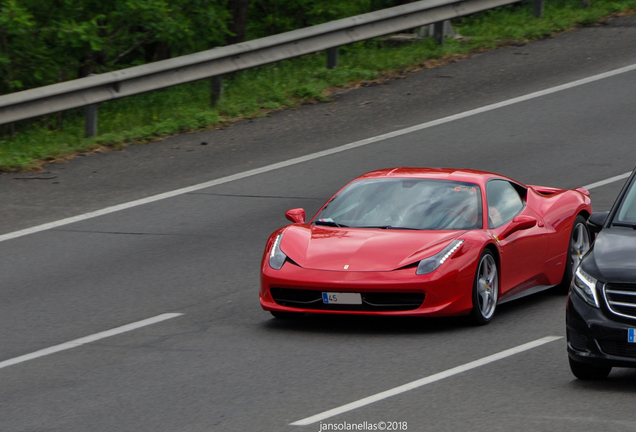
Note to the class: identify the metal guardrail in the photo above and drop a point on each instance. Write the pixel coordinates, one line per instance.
(215, 62)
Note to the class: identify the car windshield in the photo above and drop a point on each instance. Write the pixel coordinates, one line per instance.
(626, 214)
(421, 204)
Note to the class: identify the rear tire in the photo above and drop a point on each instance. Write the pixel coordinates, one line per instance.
(578, 246)
(286, 315)
(485, 289)
(586, 371)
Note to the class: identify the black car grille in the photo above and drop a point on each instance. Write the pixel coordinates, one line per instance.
(621, 299)
(619, 349)
(375, 301)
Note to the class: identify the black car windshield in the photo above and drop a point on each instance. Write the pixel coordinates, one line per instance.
(626, 214)
(399, 203)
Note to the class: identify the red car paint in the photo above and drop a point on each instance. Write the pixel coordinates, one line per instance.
(364, 260)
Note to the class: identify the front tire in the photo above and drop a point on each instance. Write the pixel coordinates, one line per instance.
(485, 289)
(586, 371)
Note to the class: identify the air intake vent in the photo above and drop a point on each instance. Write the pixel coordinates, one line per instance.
(376, 301)
(618, 349)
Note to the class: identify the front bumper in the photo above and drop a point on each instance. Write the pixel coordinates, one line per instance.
(593, 337)
(447, 293)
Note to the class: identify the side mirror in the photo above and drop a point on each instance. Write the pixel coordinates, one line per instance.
(519, 223)
(596, 221)
(296, 215)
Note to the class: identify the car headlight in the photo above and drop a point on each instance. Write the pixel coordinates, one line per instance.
(276, 256)
(585, 287)
(429, 264)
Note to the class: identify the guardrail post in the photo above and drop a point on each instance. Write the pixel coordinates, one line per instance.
(90, 121)
(216, 89)
(438, 32)
(332, 58)
(429, 31)
(537, 8)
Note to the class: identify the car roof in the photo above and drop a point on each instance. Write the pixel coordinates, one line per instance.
(464, 175)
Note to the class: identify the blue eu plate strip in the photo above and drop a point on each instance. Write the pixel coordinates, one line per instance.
(630, 335)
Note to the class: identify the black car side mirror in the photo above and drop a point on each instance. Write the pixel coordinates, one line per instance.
(596, 221)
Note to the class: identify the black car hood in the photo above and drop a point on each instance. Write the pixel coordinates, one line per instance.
(613, 258)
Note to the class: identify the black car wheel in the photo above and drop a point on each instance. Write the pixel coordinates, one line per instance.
(586, 371)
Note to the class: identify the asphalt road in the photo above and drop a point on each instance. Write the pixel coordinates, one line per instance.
(225, 365)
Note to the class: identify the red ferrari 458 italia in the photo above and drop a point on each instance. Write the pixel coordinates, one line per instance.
(425, 241)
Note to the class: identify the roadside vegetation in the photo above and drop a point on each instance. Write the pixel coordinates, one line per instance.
(250, 93)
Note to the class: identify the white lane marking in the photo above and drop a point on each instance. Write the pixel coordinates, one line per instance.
(427, 380)
(298, 160)
(88, 339)
(608, 181)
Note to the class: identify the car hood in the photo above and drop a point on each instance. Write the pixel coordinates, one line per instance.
(613, 258)
(360, 249)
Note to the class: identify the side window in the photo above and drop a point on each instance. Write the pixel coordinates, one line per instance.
(627, 212)
(504, 202)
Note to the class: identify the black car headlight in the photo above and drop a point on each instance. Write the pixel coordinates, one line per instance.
(427, 265)
(276, 256)
(585, 286)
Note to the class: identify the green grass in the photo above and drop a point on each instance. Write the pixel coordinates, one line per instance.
(255, 92)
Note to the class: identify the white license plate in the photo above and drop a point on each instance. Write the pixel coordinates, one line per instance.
(341, 298)
(631, 335)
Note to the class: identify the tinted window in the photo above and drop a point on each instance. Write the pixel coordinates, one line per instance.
(422, 204)
(504, 202)
(627, 211)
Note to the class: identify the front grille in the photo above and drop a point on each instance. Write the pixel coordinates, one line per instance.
(619, 349)
(375, 301)
(621, 299)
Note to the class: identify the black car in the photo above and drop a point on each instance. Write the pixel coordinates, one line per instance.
(601, 309)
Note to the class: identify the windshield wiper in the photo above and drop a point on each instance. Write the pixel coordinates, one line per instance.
(625, 224)
(329, 223)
